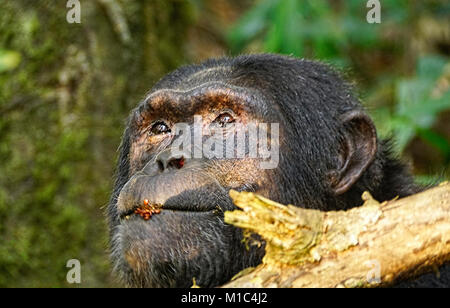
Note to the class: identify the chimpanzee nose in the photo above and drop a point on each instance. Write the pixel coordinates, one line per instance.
(167, 160)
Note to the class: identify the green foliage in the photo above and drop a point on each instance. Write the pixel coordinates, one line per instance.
(337, 32)
(309, 28)
(65, 92)
(8, 60)
(418, 106)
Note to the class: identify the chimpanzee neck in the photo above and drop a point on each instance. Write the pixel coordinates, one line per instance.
(397, 181)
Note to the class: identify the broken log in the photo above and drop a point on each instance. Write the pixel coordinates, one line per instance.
(372, 245)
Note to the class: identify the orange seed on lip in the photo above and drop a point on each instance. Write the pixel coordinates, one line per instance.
(147, 210)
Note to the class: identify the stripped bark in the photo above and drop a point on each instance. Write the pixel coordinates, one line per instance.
(372, 245)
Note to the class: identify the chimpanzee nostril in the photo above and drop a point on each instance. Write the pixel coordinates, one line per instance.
(167, 160)
(177, 162)
(160, 165)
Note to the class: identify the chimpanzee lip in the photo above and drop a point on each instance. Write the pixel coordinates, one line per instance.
(171, 208)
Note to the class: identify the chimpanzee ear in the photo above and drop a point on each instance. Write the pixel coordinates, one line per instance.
(357, 152)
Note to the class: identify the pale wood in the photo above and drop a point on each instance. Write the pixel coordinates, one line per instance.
(309, 248)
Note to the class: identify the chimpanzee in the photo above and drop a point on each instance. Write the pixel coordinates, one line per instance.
(166, 211)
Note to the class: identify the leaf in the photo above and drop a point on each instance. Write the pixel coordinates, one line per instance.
(404, 132)
(9, 60)
(250, 25)
(430, 67)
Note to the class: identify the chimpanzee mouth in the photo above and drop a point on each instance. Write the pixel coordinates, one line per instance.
(146, 210)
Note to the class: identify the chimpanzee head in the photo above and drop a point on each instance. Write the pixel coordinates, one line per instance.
(288, 129)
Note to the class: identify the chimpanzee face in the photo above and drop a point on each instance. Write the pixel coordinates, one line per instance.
(205, 130)
(187, 150)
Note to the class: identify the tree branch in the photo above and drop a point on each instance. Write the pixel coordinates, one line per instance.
(372, 245)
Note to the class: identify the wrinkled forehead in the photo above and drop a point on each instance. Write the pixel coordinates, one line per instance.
(217, 92)
(203, 98)
(204, 76)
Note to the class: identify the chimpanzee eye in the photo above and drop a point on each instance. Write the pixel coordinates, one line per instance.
(224, 118)
(159, 128)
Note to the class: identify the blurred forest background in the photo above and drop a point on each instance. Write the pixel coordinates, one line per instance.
(66, 90)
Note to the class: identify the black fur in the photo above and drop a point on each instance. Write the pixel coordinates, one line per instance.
(307, 98)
